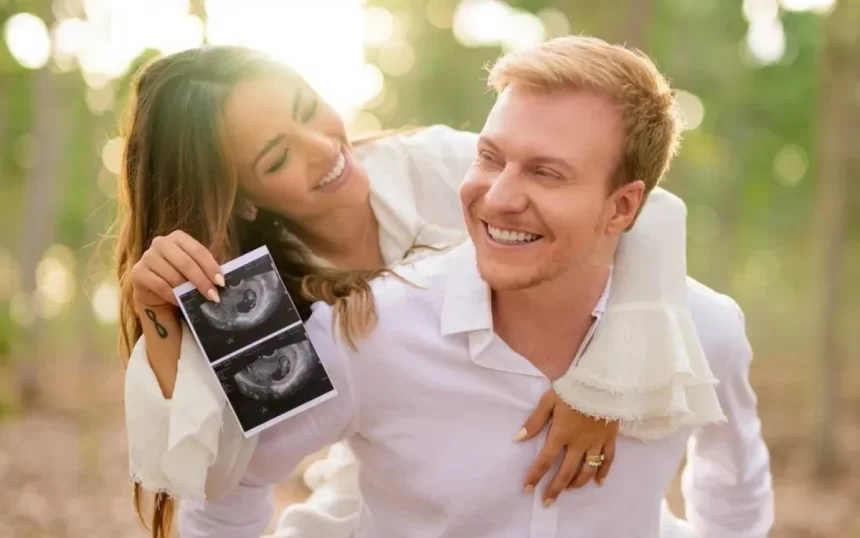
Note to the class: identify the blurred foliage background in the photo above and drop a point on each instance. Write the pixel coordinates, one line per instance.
(769, 94)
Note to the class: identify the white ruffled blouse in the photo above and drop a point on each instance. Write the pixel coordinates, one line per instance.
(644, 365)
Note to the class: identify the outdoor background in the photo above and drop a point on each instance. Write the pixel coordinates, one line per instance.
(770, 96)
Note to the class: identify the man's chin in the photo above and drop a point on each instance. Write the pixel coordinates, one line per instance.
(508, 278)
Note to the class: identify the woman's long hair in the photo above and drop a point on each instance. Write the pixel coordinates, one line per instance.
(177, 175)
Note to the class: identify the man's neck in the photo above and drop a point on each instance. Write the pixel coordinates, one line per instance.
(347, 238)
(548, 322)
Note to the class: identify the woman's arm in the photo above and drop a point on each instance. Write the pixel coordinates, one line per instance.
(727, 483)
(246, 509)
(163, 332)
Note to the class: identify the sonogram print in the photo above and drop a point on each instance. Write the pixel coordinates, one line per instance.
(245, 303)
(274, 379)
(278, 374)
(254, 304)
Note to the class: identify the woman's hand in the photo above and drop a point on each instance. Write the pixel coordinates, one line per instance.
(170, 261)
(579, 435)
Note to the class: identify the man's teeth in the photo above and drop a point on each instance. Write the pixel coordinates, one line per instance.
(335, 172)
(511, 236)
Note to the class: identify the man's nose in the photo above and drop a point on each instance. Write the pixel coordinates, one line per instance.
(506, 193)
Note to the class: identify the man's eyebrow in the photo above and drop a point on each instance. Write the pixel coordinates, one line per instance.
(484, 140)
(269, 145)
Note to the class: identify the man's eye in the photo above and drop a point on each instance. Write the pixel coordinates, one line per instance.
(278, 164)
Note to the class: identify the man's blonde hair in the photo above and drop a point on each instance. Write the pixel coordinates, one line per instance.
(626, 76)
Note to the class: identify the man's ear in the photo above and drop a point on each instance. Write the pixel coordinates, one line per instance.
(626, 201)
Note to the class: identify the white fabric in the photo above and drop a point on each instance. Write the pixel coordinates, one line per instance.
(430, 403)
(645, 364)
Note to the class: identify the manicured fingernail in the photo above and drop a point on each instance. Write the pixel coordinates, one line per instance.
(529, 488)
(219, 279)
(548, 502)
(213, 296)
(522, 434)
(599, 481)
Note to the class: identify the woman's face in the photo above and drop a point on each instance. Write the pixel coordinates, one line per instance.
(291, 150)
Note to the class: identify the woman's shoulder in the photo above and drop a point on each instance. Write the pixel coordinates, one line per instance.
(434, 140)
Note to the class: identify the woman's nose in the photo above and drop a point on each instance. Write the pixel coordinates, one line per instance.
(320, 147)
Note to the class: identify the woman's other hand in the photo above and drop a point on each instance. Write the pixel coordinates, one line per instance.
(576, 434)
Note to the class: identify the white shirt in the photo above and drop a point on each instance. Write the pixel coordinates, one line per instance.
(430, 404)
(644, 365)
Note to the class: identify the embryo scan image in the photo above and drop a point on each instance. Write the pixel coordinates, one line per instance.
(274, 379)
(277, 374)
(254, 304)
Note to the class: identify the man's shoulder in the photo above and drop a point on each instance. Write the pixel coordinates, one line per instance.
(720, 325)
(405, 283)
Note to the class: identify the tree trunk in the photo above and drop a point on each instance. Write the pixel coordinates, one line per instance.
(839, 131)
(38, 220)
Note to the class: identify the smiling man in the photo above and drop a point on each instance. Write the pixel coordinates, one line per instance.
(581, 132)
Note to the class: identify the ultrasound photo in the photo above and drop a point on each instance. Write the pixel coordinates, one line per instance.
(273, 380)
(254, 304)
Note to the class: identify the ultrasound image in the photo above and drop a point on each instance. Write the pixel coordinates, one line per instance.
(274, 379)
(254, 303)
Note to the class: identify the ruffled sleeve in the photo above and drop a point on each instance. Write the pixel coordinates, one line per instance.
(174, 444)
(645, 365)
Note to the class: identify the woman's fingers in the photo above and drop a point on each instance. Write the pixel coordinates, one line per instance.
(547, 456)
(587, 472)
(163, 269)
(148, 280)
(608, 458)
(201, 256)
(187, 267)
(572, 461)
(539, 417)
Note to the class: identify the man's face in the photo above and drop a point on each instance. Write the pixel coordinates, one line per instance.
(537, 200)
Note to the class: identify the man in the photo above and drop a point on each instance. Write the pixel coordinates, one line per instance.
(580, 134)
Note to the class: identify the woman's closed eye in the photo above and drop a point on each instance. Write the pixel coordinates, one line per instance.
(310, 112)
(279, 162)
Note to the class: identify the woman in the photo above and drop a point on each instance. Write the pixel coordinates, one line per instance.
(227, 151)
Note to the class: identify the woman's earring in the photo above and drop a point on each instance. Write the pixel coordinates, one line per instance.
(248, 212)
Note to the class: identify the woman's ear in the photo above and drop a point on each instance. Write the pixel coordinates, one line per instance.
(247, 211)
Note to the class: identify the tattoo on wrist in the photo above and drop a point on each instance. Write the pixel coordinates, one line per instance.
(159, 328)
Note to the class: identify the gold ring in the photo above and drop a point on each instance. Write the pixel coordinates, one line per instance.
(594, 460)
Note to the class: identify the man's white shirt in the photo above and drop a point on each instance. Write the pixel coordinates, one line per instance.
(430, 404)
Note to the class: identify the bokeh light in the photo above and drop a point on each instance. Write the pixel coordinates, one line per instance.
(105, 302)
(554, 21)
(766, 41)
(55, 281)
(112, 154)
(690, 110)
(790, 165)
(396, 59)
(378, 26)
(820, 6)
(28, 40)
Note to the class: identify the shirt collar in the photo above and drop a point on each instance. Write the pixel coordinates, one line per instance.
(467, 308)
